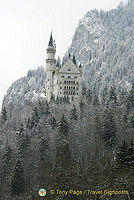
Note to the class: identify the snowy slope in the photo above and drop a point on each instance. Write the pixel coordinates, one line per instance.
(27, 88)
(104, 44)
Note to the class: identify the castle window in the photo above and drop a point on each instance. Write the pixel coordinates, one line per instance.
(69, 76)
(65, 87)
(64, 81)
(69, 87)
(62, 76)
(60, 87)
(60, 81)
(77, 88)
(77, 93)
(74, 82)
(75, 76)
(69, 69)
(72, 98)
(69, 82)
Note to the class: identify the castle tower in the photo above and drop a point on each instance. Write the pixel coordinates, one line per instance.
(50, 68)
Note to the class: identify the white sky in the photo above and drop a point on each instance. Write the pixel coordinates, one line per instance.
(25, 27)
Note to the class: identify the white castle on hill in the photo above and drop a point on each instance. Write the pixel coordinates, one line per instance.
(62, 81)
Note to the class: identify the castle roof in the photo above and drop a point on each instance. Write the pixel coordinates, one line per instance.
(71, 65)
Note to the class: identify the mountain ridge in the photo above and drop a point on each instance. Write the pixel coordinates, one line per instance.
(103, 44)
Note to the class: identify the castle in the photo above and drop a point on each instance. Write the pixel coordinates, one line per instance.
(62, 81)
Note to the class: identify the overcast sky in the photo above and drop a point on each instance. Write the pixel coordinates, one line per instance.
(25, 27)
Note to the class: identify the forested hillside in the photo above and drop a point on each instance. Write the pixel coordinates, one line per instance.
(90, 146)
(103, 44)
(28, 88)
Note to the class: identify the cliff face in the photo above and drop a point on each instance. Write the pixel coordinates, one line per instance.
(103, 44)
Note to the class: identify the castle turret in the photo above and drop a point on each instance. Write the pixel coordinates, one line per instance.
(50, 67)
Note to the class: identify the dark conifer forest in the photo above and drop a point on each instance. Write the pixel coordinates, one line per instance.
(59, 146)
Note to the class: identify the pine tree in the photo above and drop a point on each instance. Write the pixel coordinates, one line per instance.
(41, 108)
(73, 114)
(47, 109)
(124, 155)
(112, 95)
(29, 124)
(53, 122)
(131, 154)
(63, 126)
(35, 118)
(45, 161)
(23, 145)
(63, 156)
(82, 106)
(95, 99)
(4, 114)
(18, 179)
(130, 100)
(7, 163)
(108, 129)
(21, 128)
(105, 96)
(43, 146)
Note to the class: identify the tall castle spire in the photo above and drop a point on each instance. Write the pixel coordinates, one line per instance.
(51, 40)
(50, 67)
